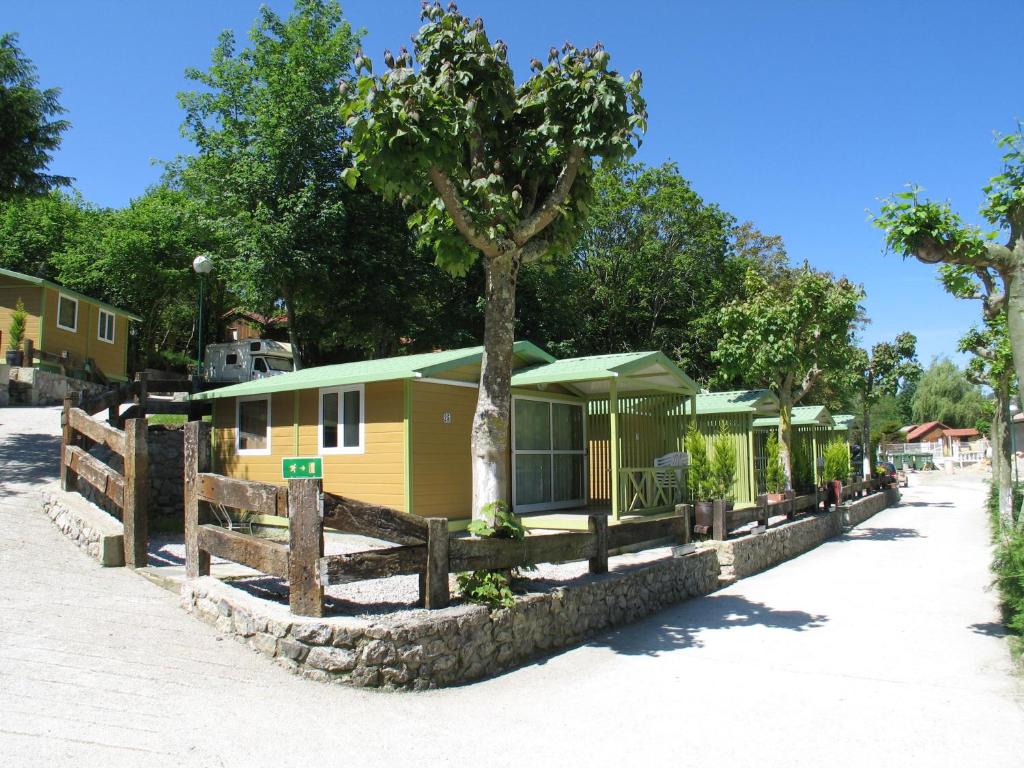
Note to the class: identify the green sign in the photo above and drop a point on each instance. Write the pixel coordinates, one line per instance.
(302, 467)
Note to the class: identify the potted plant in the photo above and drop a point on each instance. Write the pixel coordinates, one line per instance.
(16, 334)
(837, 469)
(699, 477)
(723, 467)
(774, 472)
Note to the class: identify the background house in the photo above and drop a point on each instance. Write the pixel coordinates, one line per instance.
(91, 336)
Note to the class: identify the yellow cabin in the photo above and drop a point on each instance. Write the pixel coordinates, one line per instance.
(587, 433)
(66, 327)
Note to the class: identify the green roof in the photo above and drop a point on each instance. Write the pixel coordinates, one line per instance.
(591, 375)
(74, 294)
(386, 369)
(802, 416)
(844, 420)
(756, 401)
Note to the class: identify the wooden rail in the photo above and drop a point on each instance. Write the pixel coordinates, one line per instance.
(128, 490)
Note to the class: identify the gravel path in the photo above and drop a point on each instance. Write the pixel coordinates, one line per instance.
(878, 648)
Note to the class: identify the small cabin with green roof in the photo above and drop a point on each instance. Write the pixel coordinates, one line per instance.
(585, 434)
(813, 427)
(735, 411)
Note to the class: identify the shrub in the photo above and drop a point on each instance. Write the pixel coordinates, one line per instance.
(837, 461)
(699, 470)
(16, 333)
(803, 459)
(774, 472)
(1008, 566)
(493, 588)
(723, 464)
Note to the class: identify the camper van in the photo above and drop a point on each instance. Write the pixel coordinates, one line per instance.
(236, 361)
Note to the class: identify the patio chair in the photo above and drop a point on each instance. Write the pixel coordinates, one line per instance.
(226, 520)
(668, 465)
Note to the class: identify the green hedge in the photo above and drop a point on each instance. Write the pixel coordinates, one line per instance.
(1008, 567)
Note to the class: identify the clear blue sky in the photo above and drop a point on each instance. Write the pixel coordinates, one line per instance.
(797, 115)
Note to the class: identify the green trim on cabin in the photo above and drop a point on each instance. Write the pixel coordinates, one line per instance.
(609, 367)
(614, 461)
(69, 291)
(801, 415)
(526, 392)
(407, 429)
(753, 401)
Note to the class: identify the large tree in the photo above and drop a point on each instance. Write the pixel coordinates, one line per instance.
(934, 234)
(30, 125)
(491, 170)
(945, 394)
(268, 124)
(791, 335)
(890, 366)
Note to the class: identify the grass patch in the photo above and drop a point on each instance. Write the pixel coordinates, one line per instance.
(172, 418)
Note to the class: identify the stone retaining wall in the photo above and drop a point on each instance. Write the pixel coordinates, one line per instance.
(34, 386)
(90, 528)
(428, 649)
(747, 555)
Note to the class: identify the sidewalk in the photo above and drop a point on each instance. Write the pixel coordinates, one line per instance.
(879, 648)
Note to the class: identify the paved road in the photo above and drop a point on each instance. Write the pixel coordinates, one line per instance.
(876, 649)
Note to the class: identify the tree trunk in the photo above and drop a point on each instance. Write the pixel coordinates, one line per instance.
(1002, 453)
(786, 438)
(865, 442)
(293, 336)
(491, 422)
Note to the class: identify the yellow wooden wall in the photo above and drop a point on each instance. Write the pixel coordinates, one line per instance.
(376, 476)
(441, 458)
(10, 291)
(85, 342)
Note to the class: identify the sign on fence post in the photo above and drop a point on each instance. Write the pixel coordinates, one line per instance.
(302, 468)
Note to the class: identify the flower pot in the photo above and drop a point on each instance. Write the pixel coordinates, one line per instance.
(775, 498)
(703, 513)
(14, 357)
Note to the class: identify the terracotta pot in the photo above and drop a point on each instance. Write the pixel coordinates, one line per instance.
(775, 498)
(703, 513)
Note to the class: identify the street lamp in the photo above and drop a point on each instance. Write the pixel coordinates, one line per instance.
(202, 265)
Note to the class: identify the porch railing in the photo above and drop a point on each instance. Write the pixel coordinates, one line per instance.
(651, 489)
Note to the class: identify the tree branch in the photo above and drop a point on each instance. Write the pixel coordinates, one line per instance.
(807, 383)
(931, 251)
(534, 249)
(450, 197)
(544, 215)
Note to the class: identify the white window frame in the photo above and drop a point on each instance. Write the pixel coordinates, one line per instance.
(238, 426)
(64, 297)
(113, 326)
(340, 392)
(551, 506)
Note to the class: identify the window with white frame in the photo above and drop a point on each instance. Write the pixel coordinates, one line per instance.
(549, 454)
(67, 313)
(106, 327)
(342, 419)
(253, 425)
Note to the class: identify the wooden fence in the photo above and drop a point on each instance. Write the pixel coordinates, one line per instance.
(137, 394)
(421, 546)
(763, 511)
(128, 490)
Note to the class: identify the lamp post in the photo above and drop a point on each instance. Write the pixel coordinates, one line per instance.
(202, 265)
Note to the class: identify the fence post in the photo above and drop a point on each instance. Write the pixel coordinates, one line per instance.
(135, 512)
(719, 529)
(141, 393)
(761, 502)
(197, 562)
(68, 481)
(434, 578)
(598, 525)
(306, 547)
(790, 505)
(687, 510)
(29, 352)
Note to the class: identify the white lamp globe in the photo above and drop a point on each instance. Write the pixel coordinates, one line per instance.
(202, 264)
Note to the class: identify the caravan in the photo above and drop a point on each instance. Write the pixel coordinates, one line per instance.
(237, 361)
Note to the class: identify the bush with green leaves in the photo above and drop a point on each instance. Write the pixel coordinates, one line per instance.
(493, 588)
(837, 461)
(699, 470)
(1008, 565)
(723, 465)
(774, 472)
(803, 466)
(16, 332)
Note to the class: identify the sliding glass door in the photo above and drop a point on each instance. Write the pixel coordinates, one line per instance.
(548, 455)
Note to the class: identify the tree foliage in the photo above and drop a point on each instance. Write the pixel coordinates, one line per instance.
(889, 367)
(945, 394)
(30, 125)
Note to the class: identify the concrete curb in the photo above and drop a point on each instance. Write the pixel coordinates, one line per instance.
(89, 527)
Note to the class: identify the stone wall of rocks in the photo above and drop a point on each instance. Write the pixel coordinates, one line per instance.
(34, 386)
(747, 555)
(90, 528)
(428, 649)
